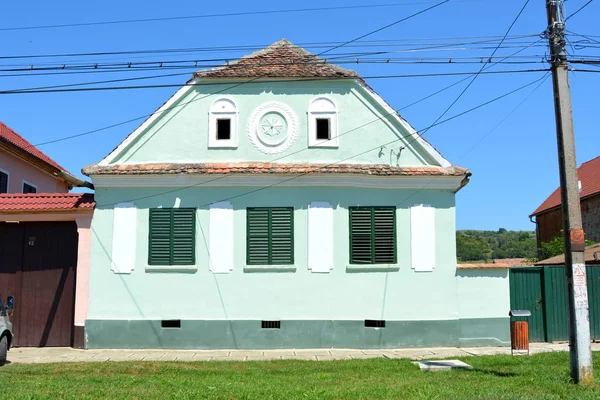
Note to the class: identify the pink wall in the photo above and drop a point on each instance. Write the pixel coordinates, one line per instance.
(19, 170)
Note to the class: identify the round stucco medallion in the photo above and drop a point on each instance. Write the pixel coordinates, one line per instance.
(273, 127)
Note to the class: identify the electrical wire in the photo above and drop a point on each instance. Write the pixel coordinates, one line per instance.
(482, 68)
(221, 15)
(385, 27)
(256, 80)
(579, 9)
(306, 45)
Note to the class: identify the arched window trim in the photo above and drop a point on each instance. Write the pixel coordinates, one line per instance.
(228, 114)
(316, 116)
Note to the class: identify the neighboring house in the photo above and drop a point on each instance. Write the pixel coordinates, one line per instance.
(25, 169)
(548, 216)
(279, 202)
(44, 244)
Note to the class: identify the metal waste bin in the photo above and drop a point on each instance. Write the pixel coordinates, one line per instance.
(519, 331)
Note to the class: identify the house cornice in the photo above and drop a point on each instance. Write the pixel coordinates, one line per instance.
(450, 183)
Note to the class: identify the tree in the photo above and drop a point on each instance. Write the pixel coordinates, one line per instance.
(556, 247)
(472, 248)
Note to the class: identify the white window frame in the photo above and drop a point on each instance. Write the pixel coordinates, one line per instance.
(223, 108)
(30, 184)
(323, 107)
(7, 179)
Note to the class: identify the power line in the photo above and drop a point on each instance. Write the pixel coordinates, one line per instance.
(135, 119)
(221, 15)
(579, 9)
(450, 61)
(333, 163)
(255, 80)
(385, 27)
(358, 58)
(307, 45)
(482, 68)
(482, 139)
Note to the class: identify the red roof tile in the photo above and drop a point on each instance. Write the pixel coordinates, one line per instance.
(18, 140)
(282, 59)
(589, 176)
(270, 168)
(46, 202)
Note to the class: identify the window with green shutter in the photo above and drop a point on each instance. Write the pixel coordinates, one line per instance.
(269, 236)
(373, 235)
(172, 236)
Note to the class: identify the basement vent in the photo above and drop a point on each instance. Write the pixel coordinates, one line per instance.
(374, 323)
(270, 324)
(170, 323)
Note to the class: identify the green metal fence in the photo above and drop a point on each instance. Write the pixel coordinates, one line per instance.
(543, 291)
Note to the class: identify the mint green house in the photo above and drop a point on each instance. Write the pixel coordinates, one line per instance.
(279, 202)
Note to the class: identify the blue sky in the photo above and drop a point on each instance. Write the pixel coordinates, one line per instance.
(514, 167)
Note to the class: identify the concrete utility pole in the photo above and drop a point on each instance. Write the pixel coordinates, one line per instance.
(579, 322)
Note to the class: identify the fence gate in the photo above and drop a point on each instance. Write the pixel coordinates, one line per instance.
(526, 293)
(543, 291)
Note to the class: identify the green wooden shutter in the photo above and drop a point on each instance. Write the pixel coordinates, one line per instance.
(372, 235)
(257, 236)
(282, 236)
(384, 235)
(183, 249)
(172, 236)
(361, 244)
(270, 236)
(159, 243)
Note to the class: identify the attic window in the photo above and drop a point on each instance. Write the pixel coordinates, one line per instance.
(323, 131)
(29, 188)
(223, 129)
(223, 119)
(322, 123)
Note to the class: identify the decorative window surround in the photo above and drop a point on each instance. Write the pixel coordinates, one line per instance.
(422, 237)
(320, 237)
(372, 267)
(323, 108)
(124, 237)
(223, 109)
(221, 235)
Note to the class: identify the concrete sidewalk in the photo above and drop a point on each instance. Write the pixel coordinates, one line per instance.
(61, 354)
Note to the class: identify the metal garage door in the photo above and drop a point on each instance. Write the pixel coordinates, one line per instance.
(38, 268)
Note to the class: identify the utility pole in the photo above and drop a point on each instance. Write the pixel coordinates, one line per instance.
(579, 323)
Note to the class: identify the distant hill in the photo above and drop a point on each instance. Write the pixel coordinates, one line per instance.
(472, 245)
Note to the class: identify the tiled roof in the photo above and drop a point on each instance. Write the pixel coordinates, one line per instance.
(17, 141)
(269, 168)
(589, 176)
(484, 266)
(46, 202)
(13, 137)
(591, 254)
(282, 59)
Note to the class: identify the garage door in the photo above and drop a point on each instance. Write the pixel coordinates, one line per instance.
(40, 273)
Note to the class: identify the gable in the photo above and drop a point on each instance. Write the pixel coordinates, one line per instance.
(179, 132)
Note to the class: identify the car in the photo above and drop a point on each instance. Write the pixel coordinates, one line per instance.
(6, 333)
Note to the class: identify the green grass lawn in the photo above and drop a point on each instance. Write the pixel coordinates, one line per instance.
(543, 376)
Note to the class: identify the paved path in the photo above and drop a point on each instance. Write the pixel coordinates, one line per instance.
(62, 354)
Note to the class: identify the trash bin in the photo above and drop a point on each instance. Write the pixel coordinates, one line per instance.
(519, 331)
